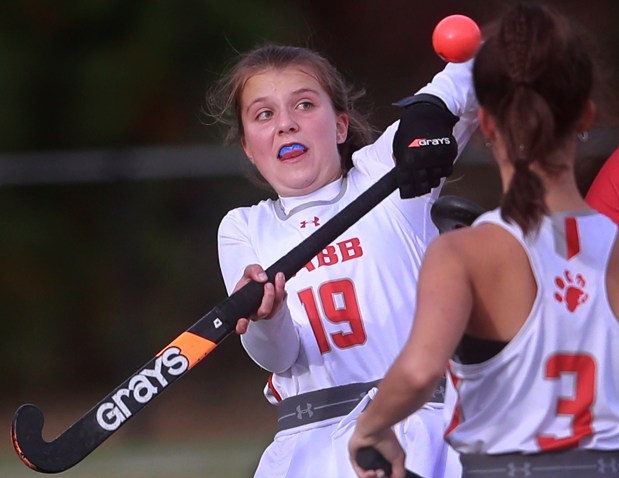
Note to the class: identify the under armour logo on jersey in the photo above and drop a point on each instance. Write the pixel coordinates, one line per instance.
(302, 411)
(611, 466)
(570, 290)
(524, 470)
(315, 222)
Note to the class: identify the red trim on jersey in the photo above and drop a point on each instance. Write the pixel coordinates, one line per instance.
(455, 419)
(275, 393)
(571, 237)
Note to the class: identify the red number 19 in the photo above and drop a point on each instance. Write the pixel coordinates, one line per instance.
(339, 303)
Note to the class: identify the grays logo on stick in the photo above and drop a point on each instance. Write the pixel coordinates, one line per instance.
(142, 388)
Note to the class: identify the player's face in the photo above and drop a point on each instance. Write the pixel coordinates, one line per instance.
(291, 130)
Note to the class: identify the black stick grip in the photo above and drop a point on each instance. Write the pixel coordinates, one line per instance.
(370, 458)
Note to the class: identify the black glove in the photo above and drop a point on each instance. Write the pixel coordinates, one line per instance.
(424, 146)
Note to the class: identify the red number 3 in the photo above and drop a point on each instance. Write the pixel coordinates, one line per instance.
(578, 406)
(339, 303)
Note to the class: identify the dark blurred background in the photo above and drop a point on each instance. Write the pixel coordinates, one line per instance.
(112, 186)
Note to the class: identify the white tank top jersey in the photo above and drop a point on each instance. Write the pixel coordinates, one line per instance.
(555, 385)
(352, 305)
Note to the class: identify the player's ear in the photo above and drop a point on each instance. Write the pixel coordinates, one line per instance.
(487, 124)
(247, 150)
(341, 127)
(587, 117)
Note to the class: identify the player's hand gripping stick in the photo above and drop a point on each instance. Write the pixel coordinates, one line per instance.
(370, 458)
(424, 146)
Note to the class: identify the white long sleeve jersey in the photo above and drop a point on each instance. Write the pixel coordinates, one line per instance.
(555, 385)
(348, 312)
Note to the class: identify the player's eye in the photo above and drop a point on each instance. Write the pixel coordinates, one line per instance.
(305, 105)
(264, 115)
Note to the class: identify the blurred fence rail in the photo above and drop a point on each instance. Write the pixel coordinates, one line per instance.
(186, 161)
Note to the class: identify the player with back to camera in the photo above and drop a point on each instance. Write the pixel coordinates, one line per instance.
(524, 305)
(330, 333)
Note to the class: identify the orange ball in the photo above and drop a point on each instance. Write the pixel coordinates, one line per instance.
(456, 38)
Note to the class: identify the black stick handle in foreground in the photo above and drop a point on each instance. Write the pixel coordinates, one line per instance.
(370, 458)
(178, 357)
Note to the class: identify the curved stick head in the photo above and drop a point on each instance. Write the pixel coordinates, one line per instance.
(454, 212)
(27, 434)
(38, 454)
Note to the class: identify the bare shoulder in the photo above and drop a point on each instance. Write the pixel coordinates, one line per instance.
(485, 262)
(485, 240)
(483, 255)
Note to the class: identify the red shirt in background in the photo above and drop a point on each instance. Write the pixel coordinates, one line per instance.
(603, 195)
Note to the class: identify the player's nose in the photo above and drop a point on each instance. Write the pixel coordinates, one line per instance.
(286, 123)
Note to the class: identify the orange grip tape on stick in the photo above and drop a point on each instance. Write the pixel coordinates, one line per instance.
(192, 346)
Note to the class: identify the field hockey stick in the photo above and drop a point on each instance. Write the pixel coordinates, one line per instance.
(178, 357)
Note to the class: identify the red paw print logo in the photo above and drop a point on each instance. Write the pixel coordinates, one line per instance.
(571, 290)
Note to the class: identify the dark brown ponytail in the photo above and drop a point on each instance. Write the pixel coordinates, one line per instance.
(534, 77)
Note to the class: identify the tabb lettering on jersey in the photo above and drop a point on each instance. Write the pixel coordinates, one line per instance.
(337, 253)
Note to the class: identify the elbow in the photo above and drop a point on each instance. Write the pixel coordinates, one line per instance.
(275, 356)
(286, 361)
(423, 381)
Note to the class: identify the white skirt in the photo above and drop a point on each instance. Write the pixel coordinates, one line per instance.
(321, 449)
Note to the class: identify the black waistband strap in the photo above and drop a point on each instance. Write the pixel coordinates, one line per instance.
(328, 403)
(573, 463)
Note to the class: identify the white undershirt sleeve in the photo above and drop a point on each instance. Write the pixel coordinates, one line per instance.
(273, 344)
(454, 85)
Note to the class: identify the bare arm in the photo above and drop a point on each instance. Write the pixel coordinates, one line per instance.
(444, 304)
